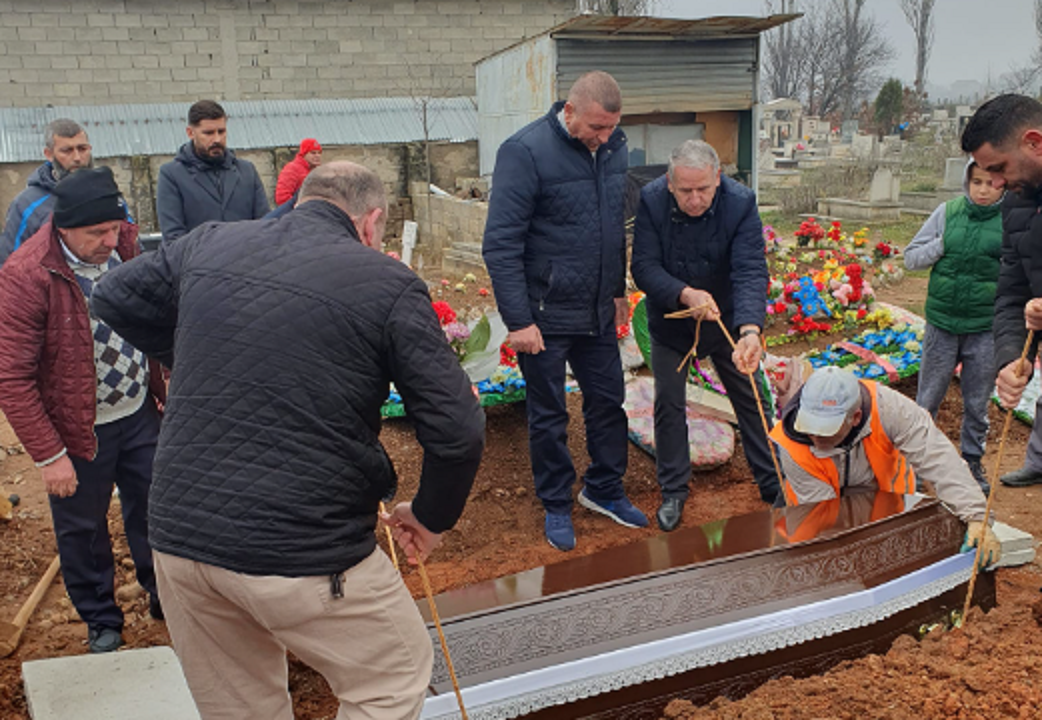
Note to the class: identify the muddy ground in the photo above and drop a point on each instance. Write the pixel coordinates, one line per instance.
(987, 671)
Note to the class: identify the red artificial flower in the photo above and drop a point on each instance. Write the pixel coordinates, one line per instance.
(444, 312)
(861, 313)
(507, 356)
(779, 307)
(622, 331)
(483, 292)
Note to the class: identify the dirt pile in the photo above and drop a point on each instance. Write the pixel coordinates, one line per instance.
(988, 669)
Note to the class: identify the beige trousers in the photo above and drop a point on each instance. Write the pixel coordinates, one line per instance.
(231, 632)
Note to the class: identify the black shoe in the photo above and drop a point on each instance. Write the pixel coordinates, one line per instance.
(1022, 478)
(670, 514)
(977, 470)
(103, 639)
(155, 608)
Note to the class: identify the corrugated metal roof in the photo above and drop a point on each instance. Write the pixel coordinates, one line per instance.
(144, 129)
(612, 27)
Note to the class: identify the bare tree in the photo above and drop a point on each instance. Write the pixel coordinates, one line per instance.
(919, 14)
(864, 52)
(829, 59)
(628, 8)
(786, 56)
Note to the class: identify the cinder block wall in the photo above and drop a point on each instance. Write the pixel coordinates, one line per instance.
(447, 221)
(394, 164)
(99, 52)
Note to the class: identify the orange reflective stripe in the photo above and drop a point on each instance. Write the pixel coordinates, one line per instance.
(890, 467)
(888, 464)
(821, 468)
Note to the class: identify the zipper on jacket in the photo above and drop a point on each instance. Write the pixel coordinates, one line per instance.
(93, 360)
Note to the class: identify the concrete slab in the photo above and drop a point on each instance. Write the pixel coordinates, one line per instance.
(146, 683)
(1018, 547)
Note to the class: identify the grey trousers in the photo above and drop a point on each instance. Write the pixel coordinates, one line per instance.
(942, 351)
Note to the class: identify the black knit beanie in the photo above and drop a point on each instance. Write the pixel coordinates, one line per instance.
(87, 197)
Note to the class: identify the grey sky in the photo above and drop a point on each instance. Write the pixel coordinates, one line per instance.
(972, 37)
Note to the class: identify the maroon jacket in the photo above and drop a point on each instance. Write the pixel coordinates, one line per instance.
(48, 382)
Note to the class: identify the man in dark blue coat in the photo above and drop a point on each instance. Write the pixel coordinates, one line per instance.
(66, 149)
(205, 181)
(698, 243)
(556, 252)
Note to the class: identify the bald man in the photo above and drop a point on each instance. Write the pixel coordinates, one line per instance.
(555, 249)
(270, 472)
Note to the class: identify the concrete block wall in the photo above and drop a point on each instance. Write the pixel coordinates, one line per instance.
(446, 222)
(99, 52)
(137, 175)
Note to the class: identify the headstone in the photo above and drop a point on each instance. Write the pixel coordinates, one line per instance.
(144, 683)
(954, 170)
(848, 130)
(409, 229)
(863, 146)
(885, 187)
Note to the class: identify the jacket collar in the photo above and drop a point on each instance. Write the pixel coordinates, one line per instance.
(53, 257)
(201, 170)
(616, 140)
(329, 212)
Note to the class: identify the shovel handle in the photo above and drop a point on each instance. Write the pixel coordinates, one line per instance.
(17, 626)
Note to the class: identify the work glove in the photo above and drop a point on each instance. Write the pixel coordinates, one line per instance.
(992, 547)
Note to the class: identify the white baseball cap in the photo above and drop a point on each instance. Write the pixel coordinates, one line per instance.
(828, 397)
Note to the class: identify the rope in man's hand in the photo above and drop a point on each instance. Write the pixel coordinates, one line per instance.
(698, 314)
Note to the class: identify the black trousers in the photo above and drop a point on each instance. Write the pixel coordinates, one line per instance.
(597, 367)
(125, 451)
(672, 453)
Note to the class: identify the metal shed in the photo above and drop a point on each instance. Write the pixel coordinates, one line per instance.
(679, 79)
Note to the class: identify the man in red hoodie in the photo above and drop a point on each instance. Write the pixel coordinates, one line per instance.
(308, 158)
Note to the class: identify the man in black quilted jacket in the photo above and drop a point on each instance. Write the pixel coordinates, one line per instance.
(1005, 138)
(283, 336)
(555, 250)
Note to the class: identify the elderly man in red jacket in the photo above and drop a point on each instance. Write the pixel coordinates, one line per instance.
(82, 400)
(292, 176)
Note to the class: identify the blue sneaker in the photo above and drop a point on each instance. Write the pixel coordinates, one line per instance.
(621, 511)
(559, 531)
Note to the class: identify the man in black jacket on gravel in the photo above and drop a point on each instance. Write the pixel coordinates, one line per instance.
(283, 336)
(1005, 138)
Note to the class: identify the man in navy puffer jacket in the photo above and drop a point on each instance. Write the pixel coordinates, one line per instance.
(556, 252)
(698, 243)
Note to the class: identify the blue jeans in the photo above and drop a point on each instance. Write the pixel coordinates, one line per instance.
(942, 351)
(125, 451)
(597, 367)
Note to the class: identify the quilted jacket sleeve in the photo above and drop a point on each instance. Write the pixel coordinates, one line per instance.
(138, 300)
(649, 264)
(23, 324)
(749, 276)
(1011, 295)
(450, 424)
(169, 204)
(515, 187)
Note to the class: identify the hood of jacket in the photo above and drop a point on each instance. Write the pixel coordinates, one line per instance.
(43, 178)
(966, 187)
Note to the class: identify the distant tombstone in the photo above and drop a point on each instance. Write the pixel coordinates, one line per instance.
(885, 187)
(863, 146)
(848, 130)
(954, 169)
(940, 114)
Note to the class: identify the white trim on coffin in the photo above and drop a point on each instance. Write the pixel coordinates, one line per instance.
(512, 697)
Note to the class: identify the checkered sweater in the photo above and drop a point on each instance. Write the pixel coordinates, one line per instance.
(122, 368)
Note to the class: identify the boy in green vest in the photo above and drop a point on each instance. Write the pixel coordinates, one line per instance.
(961, 242)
